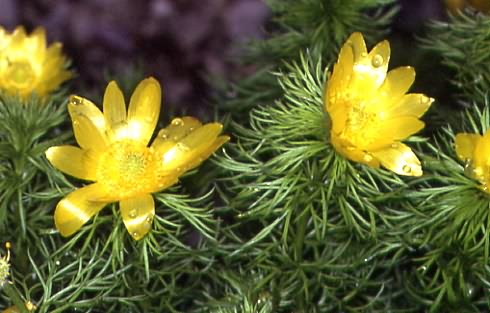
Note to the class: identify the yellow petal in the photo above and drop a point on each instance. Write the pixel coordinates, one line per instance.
(369, 71)
(17, 39)
(356, 41)
(465, 145)
(398, 82)
(392, 130)
(137, 214)
(205, 153)
(352, 153)
(73, 161)
(400, 159)
(178, 129)
(190, 147)
(339, 80)
(88, 124)
(143, 111)
(482, 151)
(114, 109)
(410, 105)
(77, 208)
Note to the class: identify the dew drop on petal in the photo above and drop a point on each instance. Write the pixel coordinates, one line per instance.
(133, 213)
(407, 169)
(149, 219)
(182, 146)
(178, 121)
(377, 60)
(135, 234)
(367, 158)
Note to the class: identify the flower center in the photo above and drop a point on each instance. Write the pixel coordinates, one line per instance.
(127, 169)
(20, 74)
(360, 126)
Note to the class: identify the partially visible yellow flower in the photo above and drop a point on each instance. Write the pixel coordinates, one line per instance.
(5, 266)
(114, 153)
(369, 111)
(474, 150)
(27, 65)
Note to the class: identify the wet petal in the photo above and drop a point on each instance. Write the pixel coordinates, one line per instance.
(73, 161)
(87, 134)
(114, 109)
(369, 71)
(400, 159)
(77, 208)
(81, 106)
(392, 130)
(352, 153)
(206, 153)
(340, 78)
(191, 146)
(465, 145)
(410, 105)
(356, 41)
(144, 109)
(137, 214)
(398, 82)
(178, 129)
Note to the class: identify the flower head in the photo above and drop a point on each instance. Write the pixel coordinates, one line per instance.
(369, 110)
(114, 153)
(474, 150)
(27, 65)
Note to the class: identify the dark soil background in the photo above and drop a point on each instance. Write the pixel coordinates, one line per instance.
(184, 43)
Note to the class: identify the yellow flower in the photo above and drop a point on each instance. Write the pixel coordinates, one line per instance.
(27, 65)
(474, 150)
(114, 153)
(369, 110)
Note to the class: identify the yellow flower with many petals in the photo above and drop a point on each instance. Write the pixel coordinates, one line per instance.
(28, 66)
(114, 153)
(474, 150)
(369, 110)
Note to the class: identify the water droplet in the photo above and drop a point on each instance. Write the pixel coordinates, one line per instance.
(377, 60)
(182, 146)
(133, 213)
(407, 169)
(191, 129)
(163, 134)
(470, 290)
(135, 234)
(75, 100)
(149, 219)
(364, 54)
(76, 123)
(178, 121)
(368, 158)
(57, 262)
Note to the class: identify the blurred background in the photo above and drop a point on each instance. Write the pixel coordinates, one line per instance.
(186, 44)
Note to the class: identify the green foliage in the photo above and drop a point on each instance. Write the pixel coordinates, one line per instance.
(449, 223)
(321, 228)
(320, 26)
(462, 44)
